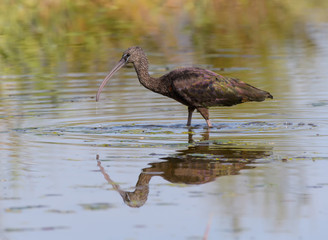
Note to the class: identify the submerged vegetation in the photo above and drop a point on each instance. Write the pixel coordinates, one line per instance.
(62, 35)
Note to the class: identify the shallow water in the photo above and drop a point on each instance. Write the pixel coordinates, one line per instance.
(128, 167)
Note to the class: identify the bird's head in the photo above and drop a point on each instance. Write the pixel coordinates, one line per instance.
(131, 55)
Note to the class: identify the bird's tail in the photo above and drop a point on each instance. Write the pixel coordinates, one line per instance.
(255, 94)
(269, 95)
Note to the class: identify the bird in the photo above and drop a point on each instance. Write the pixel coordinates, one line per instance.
(194, 87)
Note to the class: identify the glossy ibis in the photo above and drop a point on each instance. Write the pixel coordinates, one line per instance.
(194, 87)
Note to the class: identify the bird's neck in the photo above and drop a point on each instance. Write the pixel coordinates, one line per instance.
(145, 79)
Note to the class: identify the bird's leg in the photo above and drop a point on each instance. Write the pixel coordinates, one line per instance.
(190, 111)
(209, 124)
(204, 112)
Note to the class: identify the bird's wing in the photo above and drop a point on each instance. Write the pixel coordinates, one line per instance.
(204, 88)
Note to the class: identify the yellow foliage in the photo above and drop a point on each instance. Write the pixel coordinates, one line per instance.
(40, 34)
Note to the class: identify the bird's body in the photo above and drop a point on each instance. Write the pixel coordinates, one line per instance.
(194, 87)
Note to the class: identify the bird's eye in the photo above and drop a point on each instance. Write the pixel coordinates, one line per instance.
(126, 56)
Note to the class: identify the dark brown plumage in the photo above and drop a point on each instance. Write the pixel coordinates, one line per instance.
(194, 87)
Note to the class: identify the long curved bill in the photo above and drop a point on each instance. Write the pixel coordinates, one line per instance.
(117, 67)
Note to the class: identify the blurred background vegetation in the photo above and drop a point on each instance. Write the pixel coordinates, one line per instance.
(55, 36)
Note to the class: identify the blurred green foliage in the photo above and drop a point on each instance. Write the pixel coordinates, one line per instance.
(65, 35)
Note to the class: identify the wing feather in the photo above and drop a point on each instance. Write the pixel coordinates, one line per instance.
(203, 88)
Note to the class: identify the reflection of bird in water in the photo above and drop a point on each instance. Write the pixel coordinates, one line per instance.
(132, 199)
(194, 87)
(198, 164)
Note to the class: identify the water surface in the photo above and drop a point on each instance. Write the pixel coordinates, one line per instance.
(127, 167)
